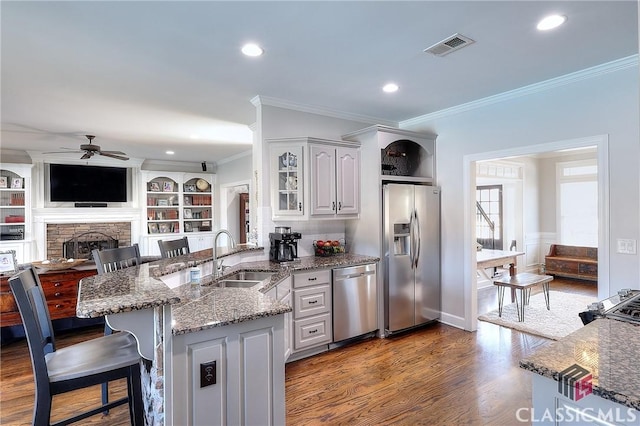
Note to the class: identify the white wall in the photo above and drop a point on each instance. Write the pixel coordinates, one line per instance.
(604, 104)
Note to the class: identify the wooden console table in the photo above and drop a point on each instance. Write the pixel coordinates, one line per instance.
(60, 289)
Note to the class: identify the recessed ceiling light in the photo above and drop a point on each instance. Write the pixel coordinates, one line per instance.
(551, 22)
(252, 49)
(390, 87)
(169, 152)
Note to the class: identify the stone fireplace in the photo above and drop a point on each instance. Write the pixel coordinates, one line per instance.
(78, 239)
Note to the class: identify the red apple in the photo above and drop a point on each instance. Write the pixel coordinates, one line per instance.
(319, 243)
(327, 244)
(335, 243)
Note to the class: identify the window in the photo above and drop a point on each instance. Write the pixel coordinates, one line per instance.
(577, 183)
(489, 216)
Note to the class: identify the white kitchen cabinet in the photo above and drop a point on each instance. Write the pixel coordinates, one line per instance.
(287, 180)
(334, 180)
(312, 323)
(282, 293)
(314, 178)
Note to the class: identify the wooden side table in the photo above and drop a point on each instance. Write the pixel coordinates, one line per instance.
(523, 282)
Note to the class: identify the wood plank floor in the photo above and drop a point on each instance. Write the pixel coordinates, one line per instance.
(434, 375)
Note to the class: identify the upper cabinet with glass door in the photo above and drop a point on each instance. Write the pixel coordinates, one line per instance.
(314, 178)
(287, 180)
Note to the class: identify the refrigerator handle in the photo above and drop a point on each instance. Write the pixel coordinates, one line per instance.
(417, 226)
(411, 241)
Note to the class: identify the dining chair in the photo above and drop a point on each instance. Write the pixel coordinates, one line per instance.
(174, 248)
(77, 366)
(109, 260)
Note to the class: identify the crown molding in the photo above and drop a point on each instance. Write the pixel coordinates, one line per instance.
(312, 109)
(596, 71)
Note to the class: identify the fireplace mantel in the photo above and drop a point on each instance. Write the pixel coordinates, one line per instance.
(46, 216)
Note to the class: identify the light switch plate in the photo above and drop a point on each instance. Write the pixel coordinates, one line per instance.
(626, 246)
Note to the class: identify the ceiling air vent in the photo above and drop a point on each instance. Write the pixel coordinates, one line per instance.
(449, 44)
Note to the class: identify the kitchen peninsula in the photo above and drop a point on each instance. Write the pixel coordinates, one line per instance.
(214, 355)
(600, 363)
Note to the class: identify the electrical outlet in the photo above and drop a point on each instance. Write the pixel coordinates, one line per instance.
(207, 374)
(626, 246)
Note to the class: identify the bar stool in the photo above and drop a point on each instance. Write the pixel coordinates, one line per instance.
(174, 248)
(73, 367)
(110, 260)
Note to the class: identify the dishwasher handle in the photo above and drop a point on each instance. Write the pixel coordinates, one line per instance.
(350, 276)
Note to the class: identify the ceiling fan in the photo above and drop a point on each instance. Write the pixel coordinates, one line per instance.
(89, 149)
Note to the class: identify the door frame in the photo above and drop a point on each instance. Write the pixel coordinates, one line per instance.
(469, 184)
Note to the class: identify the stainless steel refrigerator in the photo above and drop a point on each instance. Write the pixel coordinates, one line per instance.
(411, 221)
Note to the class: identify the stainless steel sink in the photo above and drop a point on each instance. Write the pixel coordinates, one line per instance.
(238, 283)
(245, 279)
(249, 276)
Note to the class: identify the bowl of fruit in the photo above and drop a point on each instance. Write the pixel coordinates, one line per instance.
(329, 247)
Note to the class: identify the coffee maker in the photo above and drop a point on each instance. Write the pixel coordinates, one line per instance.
(283, 244)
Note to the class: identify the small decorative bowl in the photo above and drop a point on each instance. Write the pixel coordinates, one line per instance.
(58, 264)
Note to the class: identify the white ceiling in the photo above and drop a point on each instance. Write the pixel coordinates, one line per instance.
(146, 76)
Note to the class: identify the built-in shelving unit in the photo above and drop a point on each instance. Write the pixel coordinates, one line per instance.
(15, 209)
(177, 204)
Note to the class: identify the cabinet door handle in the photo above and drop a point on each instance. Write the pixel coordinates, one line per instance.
(58, 306)
(300, 206)
(313, 302)
(312, 279)
(58, 294)
(313, 331)
(339, 205)
(333, 206)
(57, 284)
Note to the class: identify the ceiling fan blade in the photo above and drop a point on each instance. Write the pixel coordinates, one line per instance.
(64, 152)
(87, 155)
(108, 154)
(114, 152)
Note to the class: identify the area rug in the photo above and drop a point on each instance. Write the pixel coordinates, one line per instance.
(554, 324)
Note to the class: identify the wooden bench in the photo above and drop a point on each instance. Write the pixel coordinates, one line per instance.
(572, 261)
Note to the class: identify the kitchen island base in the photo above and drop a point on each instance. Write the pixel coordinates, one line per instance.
(249, 375)
(550, 407)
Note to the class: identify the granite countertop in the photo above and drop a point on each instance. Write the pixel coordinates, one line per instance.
(198, 308)
(607, 348)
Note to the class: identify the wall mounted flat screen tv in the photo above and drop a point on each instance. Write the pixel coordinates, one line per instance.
(77, 183)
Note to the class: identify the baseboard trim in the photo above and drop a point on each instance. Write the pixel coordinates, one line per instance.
(452, 320)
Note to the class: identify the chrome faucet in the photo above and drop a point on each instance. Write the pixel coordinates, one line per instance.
(217, 265)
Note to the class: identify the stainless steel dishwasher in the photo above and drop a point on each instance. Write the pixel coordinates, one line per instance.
(354, 301)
